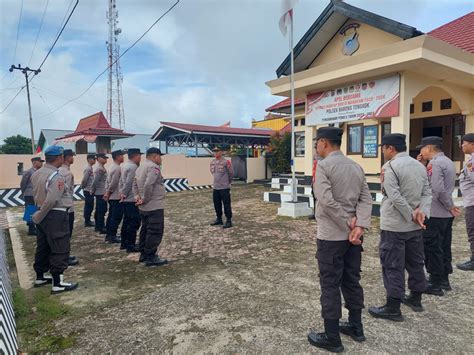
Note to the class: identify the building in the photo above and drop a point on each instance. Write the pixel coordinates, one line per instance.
(371, 75)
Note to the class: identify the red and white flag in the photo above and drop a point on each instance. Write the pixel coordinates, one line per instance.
(286, 14)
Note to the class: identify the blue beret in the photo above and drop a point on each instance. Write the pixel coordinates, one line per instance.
(54, 150)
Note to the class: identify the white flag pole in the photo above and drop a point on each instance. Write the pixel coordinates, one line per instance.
(292, 88)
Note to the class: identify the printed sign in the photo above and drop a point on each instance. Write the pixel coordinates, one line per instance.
(367, 99)
(370, 142)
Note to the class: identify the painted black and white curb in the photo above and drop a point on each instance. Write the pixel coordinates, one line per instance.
(13, 198)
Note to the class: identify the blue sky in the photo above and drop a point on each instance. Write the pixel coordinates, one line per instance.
(207, 62)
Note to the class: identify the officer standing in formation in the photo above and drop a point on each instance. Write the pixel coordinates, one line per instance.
(54, 200)
(343, 212)
(223, 173)
(86, 184)
(131, 215)
(466, 183)
(65, 171)
(437, 236)
(112, 195)
(98, 190)
(405, 205)
(149, 191)
(26, 188)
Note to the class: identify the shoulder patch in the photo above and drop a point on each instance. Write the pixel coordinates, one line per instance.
(429, 169)
(228, 163)
(469, 167)
(60, 184)
(157, 170)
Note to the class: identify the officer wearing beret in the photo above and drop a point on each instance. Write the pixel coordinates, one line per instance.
(223, 173)
(131, 215)
(54, 200)
(112, 195)
(98, 190)
(466, 183)
(26, 188)
(149, 191)
(437, 236)
(405, 205)
(65, 171)
(86, 184)
(343, 212)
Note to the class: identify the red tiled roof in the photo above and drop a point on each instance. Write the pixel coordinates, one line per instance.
(283, 104)
(286, 129)
(459, 32)
(218, 129)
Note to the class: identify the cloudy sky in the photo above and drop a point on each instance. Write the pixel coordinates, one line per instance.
(206, 62)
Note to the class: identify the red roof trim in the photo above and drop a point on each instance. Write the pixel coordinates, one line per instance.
(284, 104)
(218, 129)
(459, 32)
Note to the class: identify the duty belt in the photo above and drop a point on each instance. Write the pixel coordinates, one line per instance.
(63, 209)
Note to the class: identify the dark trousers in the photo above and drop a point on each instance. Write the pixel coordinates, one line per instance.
(339, 271)
(400, 251)
(130, 225)
(469, 213)
(114, 217)
(53, 243)
(222, 197)
(88, 206)
(437, 245)
(100, 211)
(71, 223)
(151, 233)
(29, 200)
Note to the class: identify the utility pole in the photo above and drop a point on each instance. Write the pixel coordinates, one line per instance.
(25, 72)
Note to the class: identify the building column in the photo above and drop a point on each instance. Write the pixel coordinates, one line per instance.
(401, 123)
(469, 127)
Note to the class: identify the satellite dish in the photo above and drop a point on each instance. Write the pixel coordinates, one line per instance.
(118, 31)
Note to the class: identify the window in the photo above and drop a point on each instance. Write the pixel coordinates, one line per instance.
(354, 139)
(303, 122)
(458, 131)
(427, 106)
(412, 108)
(19, 168)
(445, 104)
(386, 128)
(296, 122)
(299, 144)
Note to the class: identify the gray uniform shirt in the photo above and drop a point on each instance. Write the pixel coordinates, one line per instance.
(149, 186)
(466, 183)
(342, 193)
(25, 185)
(442, 177)
(112, 184)
(100, 177)
(127, 178)
(50, 191)
(222, 172)
(87, 178)
(65, 171)
(404, 192)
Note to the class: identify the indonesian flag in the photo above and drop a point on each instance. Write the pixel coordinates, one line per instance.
(227, 124)
(286, 14)
(38, 150)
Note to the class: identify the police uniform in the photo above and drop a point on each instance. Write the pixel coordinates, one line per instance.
(26, 188)
(439, 227)
(53, 198)
(466, 183)
(98, 190)
(341, 194)
(405, 187)
(150, 189)
(131, 214)
(223, 173)
(115, 207)
(86, 184)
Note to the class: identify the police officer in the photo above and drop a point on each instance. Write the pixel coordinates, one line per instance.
(149, 191)
(112, 195)
(131, 215)
(65, 171)
(223, 173)
(437, 236)
(98, 190)
(343, 212)
(26, 188)
(466, 182)
(86, 184)
(53, 198)
(406, 203)
(316, 159)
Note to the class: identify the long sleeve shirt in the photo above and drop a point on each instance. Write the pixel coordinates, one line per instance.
(466, 183)
(26, 186)
(127, 178)
(112, 183)
(222, 172)
(65, 171)
(100, 178)
(442, 177)
(149, 186)
(87, 178)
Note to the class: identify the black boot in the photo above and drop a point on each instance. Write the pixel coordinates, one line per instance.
(413, 301)
(467, 265)
(133, 249)
(142, 258)
(228, 224)
(60, 286)
(445, 285)
(112, 239)
(72, 260)
(390, 311)
(354, 327)
(330, 340)
(434, 286)
(217, 222)
(89, 224)
(155, 260)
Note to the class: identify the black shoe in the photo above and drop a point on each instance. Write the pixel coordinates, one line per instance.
(217, 222)
(413, 301)
(155, 261)
(133, 250)
(89, 224)
(112, 240)
(45, 280)
(31, 231)
(321, 340)
(312, 217)
(390, 311)
(123, 247)
(467, 265)
(433, 289)
(102, 231)
(72, 261)
(355, 331)
(445, 285)
(142, 258)
(60, 286)
(228, 224)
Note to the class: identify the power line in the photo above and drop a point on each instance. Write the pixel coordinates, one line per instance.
(106, 69)
(52, 93)
(39, 31)
(13, 99)
(18, 31)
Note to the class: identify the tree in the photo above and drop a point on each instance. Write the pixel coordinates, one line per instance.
(280, 147)
(16, 145)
